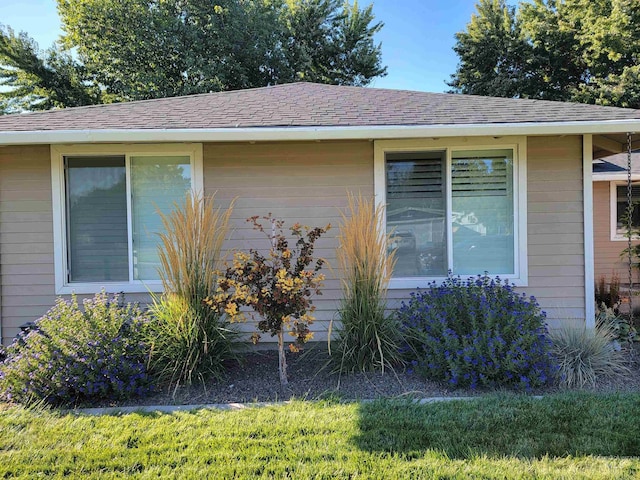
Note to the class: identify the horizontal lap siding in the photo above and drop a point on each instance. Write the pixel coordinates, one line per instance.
(304, 182)
(556, 230)
(26, 237)
(607, 252)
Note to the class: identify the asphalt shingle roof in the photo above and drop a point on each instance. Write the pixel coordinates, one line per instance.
(310, 105)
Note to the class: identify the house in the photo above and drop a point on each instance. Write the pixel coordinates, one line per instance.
(471, 184)
(609, 208)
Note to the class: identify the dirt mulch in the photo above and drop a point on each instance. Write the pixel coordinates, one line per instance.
(256, 380)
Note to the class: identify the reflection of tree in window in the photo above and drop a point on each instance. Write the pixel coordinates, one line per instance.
(621, 208)
(156, 183)
(97, 219)
(416, 212)
(482, 211)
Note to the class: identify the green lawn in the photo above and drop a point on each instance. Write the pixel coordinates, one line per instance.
(565, 436)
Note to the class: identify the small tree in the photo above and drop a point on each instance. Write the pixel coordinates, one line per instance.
(278, 286)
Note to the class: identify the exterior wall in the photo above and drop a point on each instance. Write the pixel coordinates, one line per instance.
(26, 236)
(607, 252)
(556, 230)
(304, 182)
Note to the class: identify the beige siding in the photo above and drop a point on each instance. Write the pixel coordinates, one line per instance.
(303, 182)
(26, 237)
(555, 224)
(607, 252)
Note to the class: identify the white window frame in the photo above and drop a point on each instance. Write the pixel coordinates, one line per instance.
(519, 147)
(58, 153)
(613, 209)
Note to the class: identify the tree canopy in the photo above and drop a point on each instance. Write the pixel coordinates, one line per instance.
(119, 50)
(572, 50)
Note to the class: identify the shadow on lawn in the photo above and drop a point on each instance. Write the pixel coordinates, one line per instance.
(514, 426)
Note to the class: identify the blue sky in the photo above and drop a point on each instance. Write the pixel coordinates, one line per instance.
(417, 38)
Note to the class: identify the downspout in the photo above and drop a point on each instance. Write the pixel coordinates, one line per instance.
(589, 269)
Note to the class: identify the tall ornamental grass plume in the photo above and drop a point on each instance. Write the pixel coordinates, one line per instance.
(189, 341)
(477, 332)
(367, 337)
(75, 355)
(587, 356)
(190, 250)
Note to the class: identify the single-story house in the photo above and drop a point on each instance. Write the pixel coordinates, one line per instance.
(610, 178)
(471, 184)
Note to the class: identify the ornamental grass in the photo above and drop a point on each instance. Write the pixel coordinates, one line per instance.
(188, 341)
(586, 356)
(190, 250)
(367, 337)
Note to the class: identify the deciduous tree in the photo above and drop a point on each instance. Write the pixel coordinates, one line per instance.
(119, 50)
(572, 50)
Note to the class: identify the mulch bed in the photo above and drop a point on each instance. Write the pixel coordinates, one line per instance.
(310, 377)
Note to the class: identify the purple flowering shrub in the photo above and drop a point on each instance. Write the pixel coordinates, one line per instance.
(78, 355)
(477, 333)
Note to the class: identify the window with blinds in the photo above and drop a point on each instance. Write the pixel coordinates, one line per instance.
(416, 212)
(478, 211)
(157, 182)
(97, 219)
(482, 211)
(621, 208)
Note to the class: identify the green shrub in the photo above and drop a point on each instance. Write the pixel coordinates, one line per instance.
(608, 293)
(75, 355)
(189, 341)
(185, 344)
(584, 356)
(367, 337)
(477, 333)
(621, 328)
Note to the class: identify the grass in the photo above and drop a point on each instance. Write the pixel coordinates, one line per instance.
(190, 250)
(563, 436)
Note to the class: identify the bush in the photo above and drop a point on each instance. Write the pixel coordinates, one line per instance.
(622, 328)
(185, 343)
(189, 341)
(367, 338)
(277, 286)
(477, 333)
(608, 293)
(584, 356)
(75, 355)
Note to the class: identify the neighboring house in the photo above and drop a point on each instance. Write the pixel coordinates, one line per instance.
(471, 184)
(609, 209)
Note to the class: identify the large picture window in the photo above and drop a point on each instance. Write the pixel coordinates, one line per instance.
(452, 209)
(107, 213)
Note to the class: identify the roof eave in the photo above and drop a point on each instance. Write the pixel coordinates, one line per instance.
(614, 177)
(255, 134)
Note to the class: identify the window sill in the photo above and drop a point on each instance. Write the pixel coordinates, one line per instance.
(624, 239)
(412, 283)
(93, 288)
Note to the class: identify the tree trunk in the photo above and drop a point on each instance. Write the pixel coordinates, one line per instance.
(282, 360)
